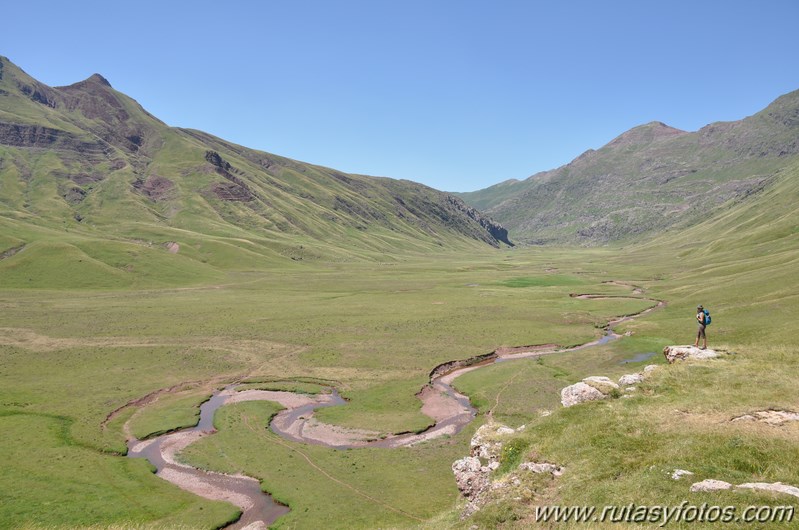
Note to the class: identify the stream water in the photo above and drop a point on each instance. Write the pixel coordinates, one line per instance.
(450, 410)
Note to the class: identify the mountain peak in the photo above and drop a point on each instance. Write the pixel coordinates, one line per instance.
(784, 109)
(97, 78)
(644, 134)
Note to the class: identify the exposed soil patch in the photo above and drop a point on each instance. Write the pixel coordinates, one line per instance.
(82, 179)
(154, 187)
(771, 417)
(74, 195)
(11, 251)
(236, 189)
(599, 296)
(511, 350)
(229, 191)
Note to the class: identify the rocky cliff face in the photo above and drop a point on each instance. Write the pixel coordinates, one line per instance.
(497, 231)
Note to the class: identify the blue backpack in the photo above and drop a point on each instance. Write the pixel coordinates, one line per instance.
(707, 317)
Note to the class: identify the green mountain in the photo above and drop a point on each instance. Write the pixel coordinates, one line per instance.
(87, 176)
(648, 179)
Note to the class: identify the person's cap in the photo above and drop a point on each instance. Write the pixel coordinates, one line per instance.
(699, 306)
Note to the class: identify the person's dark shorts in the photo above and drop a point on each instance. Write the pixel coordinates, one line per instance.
(700, 333)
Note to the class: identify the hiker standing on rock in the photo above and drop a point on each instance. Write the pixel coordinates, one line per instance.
(700, 333)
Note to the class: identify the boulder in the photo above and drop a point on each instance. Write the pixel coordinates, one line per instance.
(649, 368)
(630, 379)
(601, 383)
(710, 485)
(579, 393)
(679, 353)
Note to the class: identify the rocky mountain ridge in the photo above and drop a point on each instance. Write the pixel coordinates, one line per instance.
(647, 180)
(86, 156)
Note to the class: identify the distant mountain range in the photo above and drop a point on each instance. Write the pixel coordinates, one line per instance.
(87, 176)
(650, 178)
(88, 160)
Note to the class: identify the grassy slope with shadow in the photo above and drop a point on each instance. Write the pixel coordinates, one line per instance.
(737, 263)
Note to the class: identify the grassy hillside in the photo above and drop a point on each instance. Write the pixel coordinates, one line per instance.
(285, 277)
(741, 264)
(648, 179)
(70, 357)
(87, 167)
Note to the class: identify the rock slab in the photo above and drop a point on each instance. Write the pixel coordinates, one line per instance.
(681, 353)
(710, 485)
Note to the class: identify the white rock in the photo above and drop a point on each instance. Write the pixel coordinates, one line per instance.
(649, 368)
(680, 473)
(504, 430)
(777, 487)
(542, 467)
(545, 413)
(601, 383)
(493, 465)
(483, 444)
(520, 428)
(630, 389)
(630, 379)
(579, 393)
(470, 476)
(710, 485)
(677, 353)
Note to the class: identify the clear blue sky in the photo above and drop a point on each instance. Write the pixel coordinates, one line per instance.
(458, 95)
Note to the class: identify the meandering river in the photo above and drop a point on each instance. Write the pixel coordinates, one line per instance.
(450, 411)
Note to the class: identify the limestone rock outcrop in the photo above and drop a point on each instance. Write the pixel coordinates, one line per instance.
(773, 487)
(471, 476)
(474, 473)
(679, 353)
(776, 487)
(710, 485)
(579, 393)
(601, 383)
(630, 379)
